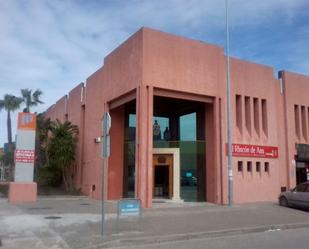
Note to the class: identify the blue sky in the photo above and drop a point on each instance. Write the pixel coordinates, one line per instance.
(54, 45)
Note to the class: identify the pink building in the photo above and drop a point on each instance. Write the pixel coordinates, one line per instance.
(167, 99)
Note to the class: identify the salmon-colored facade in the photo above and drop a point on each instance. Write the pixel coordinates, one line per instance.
(156, 74)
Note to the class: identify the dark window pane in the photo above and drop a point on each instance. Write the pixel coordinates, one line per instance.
(266, 167)
(240, 166)
(258, 166)
(249, 166)
(301, 188)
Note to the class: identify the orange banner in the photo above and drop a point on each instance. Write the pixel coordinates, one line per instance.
(26, 121)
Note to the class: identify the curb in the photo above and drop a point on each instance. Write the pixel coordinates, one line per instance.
(61, 197)
(147, 240)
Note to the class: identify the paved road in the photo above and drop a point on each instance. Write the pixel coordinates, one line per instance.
(74, 223)
(286, 239)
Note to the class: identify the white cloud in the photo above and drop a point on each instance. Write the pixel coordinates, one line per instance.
(54, 45)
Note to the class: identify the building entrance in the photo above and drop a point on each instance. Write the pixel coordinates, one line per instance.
(302, 163)
(302, 175)
(179, 123)
(180, 128)
(163, 175)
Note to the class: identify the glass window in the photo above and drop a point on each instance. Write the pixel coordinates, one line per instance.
(301, 188)
(188, 157)
(258, 166)
(264, 117)
(248, 113)
(161, 129)
(256, 111)
(304, 121)
(249, 166)
(307, 188)
(297, 123)
(266, 167)
(240, 166)
(129, 156)
(188, 127)
(239, 112)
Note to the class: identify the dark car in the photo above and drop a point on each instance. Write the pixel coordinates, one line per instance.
(296, 197)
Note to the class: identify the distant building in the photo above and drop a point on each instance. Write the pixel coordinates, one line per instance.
(181, 83)
(4, 170)
(6, 147)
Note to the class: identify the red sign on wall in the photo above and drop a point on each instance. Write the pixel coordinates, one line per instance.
(246, 150)
(24, 156)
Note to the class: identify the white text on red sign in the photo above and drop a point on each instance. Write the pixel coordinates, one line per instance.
(24, 156)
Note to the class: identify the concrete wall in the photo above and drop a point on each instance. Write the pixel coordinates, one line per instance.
(253, 82)
(153, 62)
(296, 89)
(181, 64)
(192, 70)
(75, 114)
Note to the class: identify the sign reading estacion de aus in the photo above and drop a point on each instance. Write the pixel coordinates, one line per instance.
(246, 150)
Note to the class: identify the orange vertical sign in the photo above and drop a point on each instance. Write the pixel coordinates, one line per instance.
(26, 121)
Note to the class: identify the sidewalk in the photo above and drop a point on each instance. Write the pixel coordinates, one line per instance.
(74, 222)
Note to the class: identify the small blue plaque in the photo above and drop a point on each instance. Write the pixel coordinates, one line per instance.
(129, 207)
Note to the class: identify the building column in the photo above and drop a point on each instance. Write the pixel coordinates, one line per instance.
(174, 127)
(144, 144)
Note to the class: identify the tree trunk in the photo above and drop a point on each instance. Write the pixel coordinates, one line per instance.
(10, 146)
(64, 179)
(9, 127)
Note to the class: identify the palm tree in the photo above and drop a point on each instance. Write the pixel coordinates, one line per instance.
(10, 103)
(61, 148)
(31, 99)
(43, 126)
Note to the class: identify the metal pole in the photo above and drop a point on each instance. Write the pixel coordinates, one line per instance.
(229, 118)
(103, 190)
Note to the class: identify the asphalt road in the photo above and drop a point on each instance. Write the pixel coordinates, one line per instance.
(74, 223)
(286, 239)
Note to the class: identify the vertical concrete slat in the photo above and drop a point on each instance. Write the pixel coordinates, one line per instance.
(82, 148)
(289, 127)
(144, 145)
(304, 123)
(116, 159)
(137, 142)
(223, 146)
(307, 113)
(253, 131)
(243, 121)
(211, 171)
(297, 123)
(106, 169)
(201, 160)
(150, 145)
(262, 133)
(217, 150)
(221, 154)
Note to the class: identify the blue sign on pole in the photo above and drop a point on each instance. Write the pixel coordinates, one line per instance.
(129, 207)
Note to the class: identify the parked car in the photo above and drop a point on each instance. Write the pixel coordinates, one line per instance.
(296, 197)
